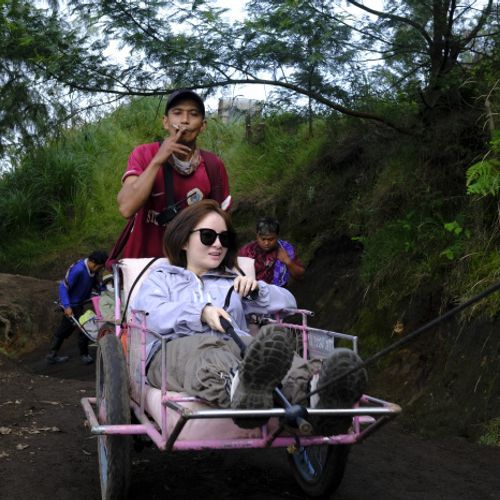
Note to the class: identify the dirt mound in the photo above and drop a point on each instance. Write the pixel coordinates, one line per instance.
(27, 312)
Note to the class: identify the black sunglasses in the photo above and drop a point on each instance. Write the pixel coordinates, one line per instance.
(208, 237)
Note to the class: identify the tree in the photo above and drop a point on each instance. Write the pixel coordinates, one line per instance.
(415, 51)
(300, 52)
(284, 44)
(430, 43)
(38, 50)
(311, 48)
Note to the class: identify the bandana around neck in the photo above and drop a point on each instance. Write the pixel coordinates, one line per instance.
(186, 167)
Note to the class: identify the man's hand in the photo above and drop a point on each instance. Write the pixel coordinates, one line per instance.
(68, 312)
(172, 145)
(296, 270)
(283, 256)
(211, 316)
(136, 189)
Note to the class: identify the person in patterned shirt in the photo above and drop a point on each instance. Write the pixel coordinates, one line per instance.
(275, 260)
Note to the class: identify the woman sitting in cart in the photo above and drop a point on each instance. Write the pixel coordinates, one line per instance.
(186, 299)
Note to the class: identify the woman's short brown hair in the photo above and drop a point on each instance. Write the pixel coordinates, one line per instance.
(179, 229)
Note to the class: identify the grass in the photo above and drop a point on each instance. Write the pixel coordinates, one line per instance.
(491, 436)
(343, 179)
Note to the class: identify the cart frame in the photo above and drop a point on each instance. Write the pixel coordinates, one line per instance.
(368, 415)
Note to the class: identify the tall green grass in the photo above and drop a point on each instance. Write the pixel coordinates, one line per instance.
(61, 199)
(347, 178)
(260, 168)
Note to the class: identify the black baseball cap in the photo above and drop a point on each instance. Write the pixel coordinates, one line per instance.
(179, 94)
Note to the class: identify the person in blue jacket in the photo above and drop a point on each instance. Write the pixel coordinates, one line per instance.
(76, 287)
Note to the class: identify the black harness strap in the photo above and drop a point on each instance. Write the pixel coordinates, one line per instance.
(169, 186)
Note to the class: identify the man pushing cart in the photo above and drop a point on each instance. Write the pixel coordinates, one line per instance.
(75, 289)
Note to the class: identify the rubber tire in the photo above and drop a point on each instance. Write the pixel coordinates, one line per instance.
(113, 407)
(323, 478)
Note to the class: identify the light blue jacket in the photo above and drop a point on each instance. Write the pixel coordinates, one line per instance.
(174, 298)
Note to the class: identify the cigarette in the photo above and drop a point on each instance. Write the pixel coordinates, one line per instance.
(178, 127)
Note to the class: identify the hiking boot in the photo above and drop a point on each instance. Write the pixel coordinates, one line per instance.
(52, 358)
(86, 359)
(267, 360)
(342, 394)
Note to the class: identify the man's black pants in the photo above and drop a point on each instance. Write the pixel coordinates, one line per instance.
(65, 329)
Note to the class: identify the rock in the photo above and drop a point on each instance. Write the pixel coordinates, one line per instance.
(28, 315)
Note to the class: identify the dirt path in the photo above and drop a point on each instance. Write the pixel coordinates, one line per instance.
(46, 453)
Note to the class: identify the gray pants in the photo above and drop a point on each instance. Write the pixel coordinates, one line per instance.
(200, 364)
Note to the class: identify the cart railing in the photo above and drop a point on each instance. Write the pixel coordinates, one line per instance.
(368, 415)
(365, 421)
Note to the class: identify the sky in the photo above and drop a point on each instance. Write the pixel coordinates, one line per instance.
(236, 11)
(260, 92)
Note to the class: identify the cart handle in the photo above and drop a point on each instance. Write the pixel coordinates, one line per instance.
(75, 322)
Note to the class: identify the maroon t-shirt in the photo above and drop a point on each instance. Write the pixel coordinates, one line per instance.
(263, 261)
(146, 238)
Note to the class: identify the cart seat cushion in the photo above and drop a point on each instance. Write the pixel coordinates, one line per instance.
(197, 429)
(131, 269)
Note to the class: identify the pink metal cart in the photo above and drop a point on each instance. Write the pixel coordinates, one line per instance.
(176, 421)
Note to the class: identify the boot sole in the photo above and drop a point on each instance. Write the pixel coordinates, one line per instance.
(267, 360)
(342, 394)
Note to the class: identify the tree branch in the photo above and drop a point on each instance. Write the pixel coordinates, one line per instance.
(480, 23)
(400, 19)
(257, 81)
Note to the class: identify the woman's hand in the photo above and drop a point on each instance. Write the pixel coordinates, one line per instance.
(211, 316)
(244, 285)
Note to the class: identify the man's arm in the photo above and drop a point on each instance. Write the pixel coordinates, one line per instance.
(64, 299)
(137, 188)
(295, 267)
(73, 275)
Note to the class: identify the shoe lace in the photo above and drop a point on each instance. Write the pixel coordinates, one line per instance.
(228, 378)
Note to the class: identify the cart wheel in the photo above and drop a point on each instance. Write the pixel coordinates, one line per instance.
(319, 469)
(113, 407)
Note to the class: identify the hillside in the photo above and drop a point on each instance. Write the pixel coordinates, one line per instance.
(383, 221)
(447, 381)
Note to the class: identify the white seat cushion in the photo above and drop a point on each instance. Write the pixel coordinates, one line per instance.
(246, 264)
(131, 268)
